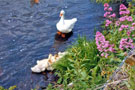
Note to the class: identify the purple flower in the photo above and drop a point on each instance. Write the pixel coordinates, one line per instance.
(117, 23)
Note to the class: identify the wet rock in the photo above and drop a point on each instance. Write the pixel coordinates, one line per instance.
(131, 60)
(117, 82)
(51, 77)
(42, 84)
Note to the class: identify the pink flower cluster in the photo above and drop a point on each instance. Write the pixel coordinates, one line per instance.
(124, 18)
(124, 10)
(117, 23)
(108, 22)
(126, 43)
(108, 11)
(102, 45)
(123, 27)
(128, 32)
(108, 14)
(133, 27)
(122, 7)
(133, 24)
(106, 5)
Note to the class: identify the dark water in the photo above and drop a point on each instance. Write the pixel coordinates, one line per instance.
(27, 35)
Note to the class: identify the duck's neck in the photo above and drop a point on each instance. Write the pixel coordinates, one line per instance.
(62, 19)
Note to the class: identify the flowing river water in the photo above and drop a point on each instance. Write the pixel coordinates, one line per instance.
(27, 34)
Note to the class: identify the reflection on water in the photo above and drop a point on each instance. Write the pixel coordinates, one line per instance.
(27, 34)
(60, 41)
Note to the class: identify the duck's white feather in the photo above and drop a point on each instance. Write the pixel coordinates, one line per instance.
(46, 64)
(66, 26)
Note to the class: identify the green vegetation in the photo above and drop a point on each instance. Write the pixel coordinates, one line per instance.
(10, 88)
(89, 64)
(83, 67)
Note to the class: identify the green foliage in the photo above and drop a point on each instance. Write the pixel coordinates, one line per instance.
(83, 67)
(33, 89)
(106, 1)
(75, 67)
(10, 88)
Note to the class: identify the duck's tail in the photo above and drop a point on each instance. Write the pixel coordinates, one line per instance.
(74, 20)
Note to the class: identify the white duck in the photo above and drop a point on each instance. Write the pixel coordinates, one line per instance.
(46, 64)
(65, 26)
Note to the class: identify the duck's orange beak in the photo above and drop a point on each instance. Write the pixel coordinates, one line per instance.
(36, 1)
(61, 14)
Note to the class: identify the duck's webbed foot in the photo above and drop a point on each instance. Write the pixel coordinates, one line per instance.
(63, 35)
(59, 33)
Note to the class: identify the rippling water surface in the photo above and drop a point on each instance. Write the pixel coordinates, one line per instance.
(27, 35)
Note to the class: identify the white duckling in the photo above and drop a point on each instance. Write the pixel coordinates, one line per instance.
(42, 64)
(65, 26)
(46, 64)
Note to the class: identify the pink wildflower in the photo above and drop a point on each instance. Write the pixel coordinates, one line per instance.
(110, 9)
(123, 27)
(132, 28)
(102, 54)
(124, 10)
(106, 55)
(122, 18)
(117, 23)
(128, 32)
(102, 45)
(133, 24)
(106, 5)
(106, 14)
(126, 43)
(113, 15)
(108, 22)
(133, 35)
(106, 8)
(123, 7)
(129, 19)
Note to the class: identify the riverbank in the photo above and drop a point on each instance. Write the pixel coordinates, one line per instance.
(89, 64)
